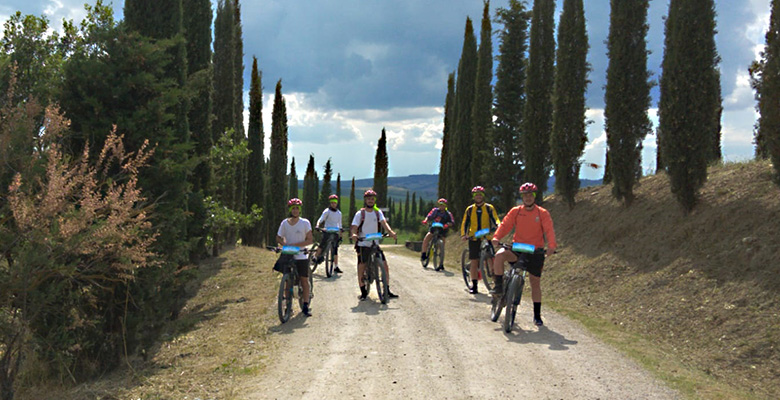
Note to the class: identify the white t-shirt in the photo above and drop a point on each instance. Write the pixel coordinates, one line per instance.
(295, 233)
(331, 218)
(370, 225)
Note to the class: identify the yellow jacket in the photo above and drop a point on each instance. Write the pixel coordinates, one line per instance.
(472, 223)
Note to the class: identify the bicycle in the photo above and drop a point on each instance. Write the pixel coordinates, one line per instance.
(290, 280)
(436, 247)
(486, 252)
(513, 285)
(374, 272)
(328, 251)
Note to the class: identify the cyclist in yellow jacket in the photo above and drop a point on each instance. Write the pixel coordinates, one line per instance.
(477, 216)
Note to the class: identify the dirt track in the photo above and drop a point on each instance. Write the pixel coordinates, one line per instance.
(436, 341)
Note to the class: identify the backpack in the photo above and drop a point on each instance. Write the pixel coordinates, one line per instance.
(363, 218)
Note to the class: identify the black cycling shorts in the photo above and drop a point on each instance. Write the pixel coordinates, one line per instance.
(442, 231)
(282, 265)
(363, 252)
(336, 240)
(474, 247)
(534, 262)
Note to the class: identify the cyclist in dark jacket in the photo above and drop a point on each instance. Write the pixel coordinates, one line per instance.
(437, 214)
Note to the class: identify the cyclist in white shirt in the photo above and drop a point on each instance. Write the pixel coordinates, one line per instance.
(331, 218)
(366, 221)
(296, 231)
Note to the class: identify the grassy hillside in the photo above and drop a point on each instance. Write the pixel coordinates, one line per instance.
(704, 287)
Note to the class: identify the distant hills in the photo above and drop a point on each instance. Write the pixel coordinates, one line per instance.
(426, 186)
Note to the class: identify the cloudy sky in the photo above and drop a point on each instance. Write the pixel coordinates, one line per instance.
(351, 67)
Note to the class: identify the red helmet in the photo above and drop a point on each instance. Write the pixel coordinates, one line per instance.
(333, 197)
(369, 193)
(442, 200)
(477, 189)
(294, 202)
(528, 187)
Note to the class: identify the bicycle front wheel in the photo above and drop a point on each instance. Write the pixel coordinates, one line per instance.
(382, 282)
(438, 253)
(513, 295)
(313, 257)
(329, 260)
(285, 298)
(465, 266)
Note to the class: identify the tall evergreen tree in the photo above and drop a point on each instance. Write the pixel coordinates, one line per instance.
(460, 156)
(538, 106)
(292, 185)
(277, 165)
(197, 30)
(352, 205)
(224, 85)
(405, 214)
(446, 138)
(238, 71)
(310, 192)
(627, 96)
(338, 189)
(483, 144)
(687, 122)
(380, 171)
(510, 100)
(765, 75)
(161, 21)
(414, 210)
(256, 164)
(327, 187)
(571, 80)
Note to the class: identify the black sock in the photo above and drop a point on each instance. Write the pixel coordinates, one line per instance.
(474, 281)
(537, 310)
(305, 307)
(363, 290)
(499, 280)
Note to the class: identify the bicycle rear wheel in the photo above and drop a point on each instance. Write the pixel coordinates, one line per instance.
(465, 266)
(329, 260)
(437, 253)
(313, 257)
(285, 298)
(484, 269)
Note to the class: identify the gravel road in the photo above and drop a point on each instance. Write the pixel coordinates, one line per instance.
(436, 341)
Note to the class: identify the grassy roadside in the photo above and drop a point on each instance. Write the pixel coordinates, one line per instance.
(209, 349)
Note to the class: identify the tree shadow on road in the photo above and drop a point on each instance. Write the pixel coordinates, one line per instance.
(544, 335)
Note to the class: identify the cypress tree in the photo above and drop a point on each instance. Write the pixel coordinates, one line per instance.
(688, 102)
(338, 189)
(414, 210)
(446, 138)
(292, 187)
(571, 80)
(483, 144)
(627, 95)
(197, 30)
(405, 215)
(224, 67)
(238, 71)
(538, 106)
(277, 164)
(352, 205)
(163, 21)
(380, 171)
(310, 198)
(460, 156)
(327, 188)
(765, 75)
(256, 163)
(510, 100)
